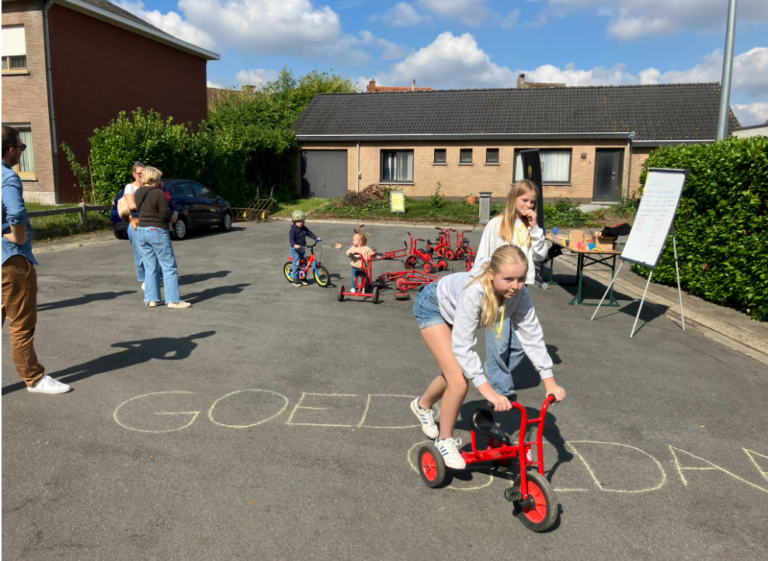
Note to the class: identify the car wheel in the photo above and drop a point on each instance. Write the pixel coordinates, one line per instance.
(120, 235)
(226, 222)
(180, 228)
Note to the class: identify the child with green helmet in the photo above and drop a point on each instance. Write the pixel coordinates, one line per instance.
(298, 239)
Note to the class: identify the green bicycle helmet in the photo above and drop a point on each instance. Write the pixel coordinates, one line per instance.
(298, 215)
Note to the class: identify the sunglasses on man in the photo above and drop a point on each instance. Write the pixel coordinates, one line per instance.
(21, 147)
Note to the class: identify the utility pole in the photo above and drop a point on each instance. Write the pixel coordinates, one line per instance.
(725, 83)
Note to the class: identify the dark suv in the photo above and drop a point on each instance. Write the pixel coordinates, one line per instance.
(197, 205)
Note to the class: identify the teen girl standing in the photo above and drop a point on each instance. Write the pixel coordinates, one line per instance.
(515, 226)
(448, 313)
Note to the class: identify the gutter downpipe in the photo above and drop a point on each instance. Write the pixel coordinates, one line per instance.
(358, 166)
(51, 114)
(629, 161)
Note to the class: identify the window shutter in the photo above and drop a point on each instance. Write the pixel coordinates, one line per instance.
(13, 41)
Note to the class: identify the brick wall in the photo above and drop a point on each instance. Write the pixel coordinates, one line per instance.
(25, 97)
(100, 69)
(460, 180)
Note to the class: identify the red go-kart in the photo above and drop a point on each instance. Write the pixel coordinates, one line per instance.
(531, 493)
(363, 281)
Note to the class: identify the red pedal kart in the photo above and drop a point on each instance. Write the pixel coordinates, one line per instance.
(405, 281)
(534, 499)
(363, 281)
(429, 264)
(309, 266)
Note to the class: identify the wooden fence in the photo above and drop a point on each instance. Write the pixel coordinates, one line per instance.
(83, 209)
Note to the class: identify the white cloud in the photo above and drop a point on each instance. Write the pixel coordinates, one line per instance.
(510, 20)
(392, 50)
(572, 76)
(402, 15)
(267, 27)
(469, 12)
(255, 77)
(633, 19)
(450, 62)
(210, 84)
(752, 114)
(171, 23)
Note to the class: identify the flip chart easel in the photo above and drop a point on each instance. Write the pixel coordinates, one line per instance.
(654, 222)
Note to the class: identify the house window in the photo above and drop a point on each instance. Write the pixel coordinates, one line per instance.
(26, 166)
(492, 156)
(555, 166)
(465, 156)
(14, 49)
(397, 166)
(440, 157)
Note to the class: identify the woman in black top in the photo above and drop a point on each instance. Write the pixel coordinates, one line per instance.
(155, 241)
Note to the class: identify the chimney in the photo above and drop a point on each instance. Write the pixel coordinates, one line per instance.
(372, 85)
(248, 88)
(521, 81)
(413, 85)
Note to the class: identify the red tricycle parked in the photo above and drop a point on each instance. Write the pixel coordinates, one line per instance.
(429, 264)
(309, 266)
(531, 493)
(363, 281)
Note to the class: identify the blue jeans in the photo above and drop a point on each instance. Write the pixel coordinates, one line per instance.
(502, 355)
(133, 236)
(296, 256)
(158, 256)
(426, 309)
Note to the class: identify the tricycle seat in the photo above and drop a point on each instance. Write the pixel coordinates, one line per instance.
(482, 422)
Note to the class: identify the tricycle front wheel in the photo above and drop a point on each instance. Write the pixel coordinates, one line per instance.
(543, 512)
(431, 466)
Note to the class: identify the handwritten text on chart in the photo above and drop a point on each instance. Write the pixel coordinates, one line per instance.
(249, 408)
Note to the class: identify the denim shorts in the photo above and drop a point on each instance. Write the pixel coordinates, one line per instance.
(427, 309)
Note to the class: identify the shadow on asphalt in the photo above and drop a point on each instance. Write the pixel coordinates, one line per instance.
(208, 293)
(86, 299)
(136, 352)
(207, 232)
(650, 312)
(195, 278)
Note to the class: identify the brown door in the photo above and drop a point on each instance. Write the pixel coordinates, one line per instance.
(609, 165)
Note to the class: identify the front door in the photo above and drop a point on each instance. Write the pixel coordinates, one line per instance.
(609, 165)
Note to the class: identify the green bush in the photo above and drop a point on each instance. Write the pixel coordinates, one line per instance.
(722, 223)
(563, 214)
(234, 161)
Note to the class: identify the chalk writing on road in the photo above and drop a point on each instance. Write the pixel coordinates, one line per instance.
(249, 408)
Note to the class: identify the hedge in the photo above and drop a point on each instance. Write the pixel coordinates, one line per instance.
(234, 161)
(722, 223)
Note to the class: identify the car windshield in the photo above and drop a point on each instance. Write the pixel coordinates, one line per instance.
(183, 190)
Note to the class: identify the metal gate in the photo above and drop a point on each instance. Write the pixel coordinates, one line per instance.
(323, 173)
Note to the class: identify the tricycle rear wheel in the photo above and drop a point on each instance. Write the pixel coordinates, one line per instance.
(544, 512)
(340, 293)
(431, 466)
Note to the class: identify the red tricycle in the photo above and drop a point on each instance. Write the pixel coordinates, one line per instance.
(426, 256)
(531, 493)
(309, 266)
(363, 281)
(443, 244)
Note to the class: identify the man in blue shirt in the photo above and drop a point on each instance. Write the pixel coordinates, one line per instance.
(19, 275)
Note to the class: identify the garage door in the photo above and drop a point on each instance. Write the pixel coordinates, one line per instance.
(323, 173)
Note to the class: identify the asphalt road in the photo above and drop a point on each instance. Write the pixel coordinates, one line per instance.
(270, 422)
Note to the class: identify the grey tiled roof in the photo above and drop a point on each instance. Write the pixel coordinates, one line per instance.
(117, 10)
(653, 112)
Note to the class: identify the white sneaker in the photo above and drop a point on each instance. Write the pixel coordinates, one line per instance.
(450, 451)
(178, 305)
(142, 286)
(46, 384)
(353, 290)
(529, 456)
(427, 418)
(153, 303)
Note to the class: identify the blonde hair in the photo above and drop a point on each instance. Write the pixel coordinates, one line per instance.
(151, 176)
(505, 255)
(507, 228)
(363, 239)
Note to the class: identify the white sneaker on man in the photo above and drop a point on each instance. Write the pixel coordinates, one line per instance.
(142, 285)
(46, 384)
(427, 419)
(178, 305)
(450, 451)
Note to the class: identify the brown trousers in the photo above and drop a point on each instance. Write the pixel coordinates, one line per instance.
(20, 306)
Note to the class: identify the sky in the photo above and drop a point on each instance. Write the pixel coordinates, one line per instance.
(477, 43)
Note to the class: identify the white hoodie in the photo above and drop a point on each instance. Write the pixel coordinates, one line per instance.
(537, 251)
(463, 308)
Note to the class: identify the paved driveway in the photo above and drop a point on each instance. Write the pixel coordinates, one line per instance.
(269, 422)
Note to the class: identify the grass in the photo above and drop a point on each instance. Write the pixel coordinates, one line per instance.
(284, 209)
(49, 228)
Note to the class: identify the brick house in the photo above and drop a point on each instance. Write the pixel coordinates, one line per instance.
(70, 66)
(593, 140)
